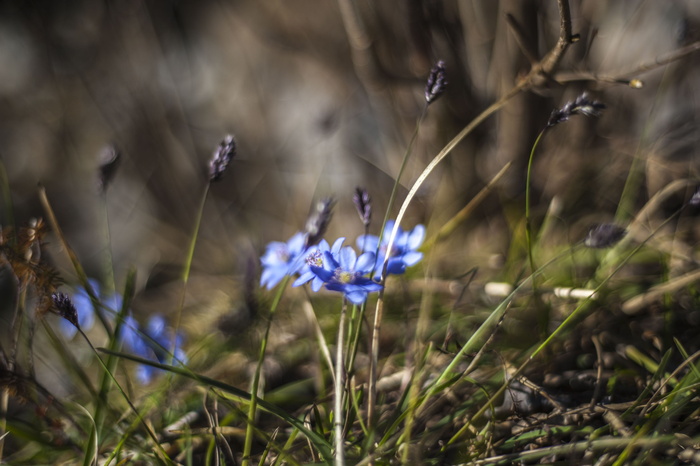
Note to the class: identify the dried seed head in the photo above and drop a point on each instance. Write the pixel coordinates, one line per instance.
(318, 221)
(604, 235)
(222, 157)
(437, 82)
(64, 307)
(363, 204)
(583, 105)
(108, 159)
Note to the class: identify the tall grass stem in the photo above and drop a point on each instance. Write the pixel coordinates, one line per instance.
(376, 327)
(252, 407)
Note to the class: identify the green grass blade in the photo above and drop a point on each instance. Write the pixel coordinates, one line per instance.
(320, 443)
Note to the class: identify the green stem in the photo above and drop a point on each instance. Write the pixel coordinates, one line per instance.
(188, 264)
(404, 162)
(109, 256)
(109, 374)
(115, 340)
(528, 218)
(253, 406)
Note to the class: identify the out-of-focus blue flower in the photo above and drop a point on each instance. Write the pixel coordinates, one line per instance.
(86, 312)
(154, 342)
(347, 274)
(281, 259)
(314, 257)
(403, 252)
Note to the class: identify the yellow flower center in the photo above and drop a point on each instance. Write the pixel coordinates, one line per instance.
(344, 277)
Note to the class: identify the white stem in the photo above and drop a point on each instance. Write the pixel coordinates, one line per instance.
(339, 385)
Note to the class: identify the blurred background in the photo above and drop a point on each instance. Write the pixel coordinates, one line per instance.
(323, 97)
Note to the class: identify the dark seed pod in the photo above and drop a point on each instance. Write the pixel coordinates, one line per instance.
(582, 105)
(64, 307)
(437, 82)
(318, 221)
(363, 204)
(222, 157)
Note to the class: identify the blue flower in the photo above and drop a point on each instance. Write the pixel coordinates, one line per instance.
(346, 274)
(86, 312)
(314, 257)
(154, 343)
(281, 259)
(403, 252)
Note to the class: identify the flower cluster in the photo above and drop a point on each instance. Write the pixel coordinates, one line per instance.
(403, 252)
(153, 342)
(339, 267)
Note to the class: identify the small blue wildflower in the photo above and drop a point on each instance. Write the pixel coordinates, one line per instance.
(86, 312)
(154, 342)
(314, 257)
(403, 251)
(347, 274)
(281, 259)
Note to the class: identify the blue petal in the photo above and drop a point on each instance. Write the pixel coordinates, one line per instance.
(272, 254)
(296, 243)
(329, 262)
(412, 258)
(416, 237)
(180, 356)
(156, 326)
(347, 259)
(365, 263)
(295, 264)
(114, 302)
(67, 329)
(336, 286)
(316, 284)
(304, 278)
(388, 228)
(337, 245)
(356, 297)
(271, 276)
(368, 243)
(322, 273)
(396, 266)
(144, 374)
(372, 286)
(323, 246)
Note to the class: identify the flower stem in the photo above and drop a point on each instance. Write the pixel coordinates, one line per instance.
(339, 390)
